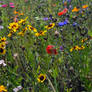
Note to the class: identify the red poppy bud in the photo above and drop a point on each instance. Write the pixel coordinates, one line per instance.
(51, 50)
(63, 12)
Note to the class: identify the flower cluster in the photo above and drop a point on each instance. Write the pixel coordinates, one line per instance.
(77, 48)
(3, 45)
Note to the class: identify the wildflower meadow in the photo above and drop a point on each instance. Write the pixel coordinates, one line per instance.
(46, 46)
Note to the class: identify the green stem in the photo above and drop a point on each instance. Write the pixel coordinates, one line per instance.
(51, 84)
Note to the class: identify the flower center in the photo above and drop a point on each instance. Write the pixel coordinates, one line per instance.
(13, 26)
(42, 77)
(32, 28)
(50, 25)
(1, 50)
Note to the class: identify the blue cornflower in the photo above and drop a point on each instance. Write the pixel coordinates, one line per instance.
(63, 23)
(75, 24)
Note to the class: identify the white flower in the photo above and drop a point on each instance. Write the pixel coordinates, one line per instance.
(15, 55)
(17, 89)
(1, 27)
(2, 63)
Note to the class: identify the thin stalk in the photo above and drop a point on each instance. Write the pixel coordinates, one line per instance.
(51, 84)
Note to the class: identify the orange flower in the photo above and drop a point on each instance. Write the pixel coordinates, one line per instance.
(54, 5)
(65, 3)
(15, 18)
(15, 12)
(85, 6)
(75, 9)
(21, 13)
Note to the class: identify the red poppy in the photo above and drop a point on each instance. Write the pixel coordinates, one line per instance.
(63, 12)
(51, 50)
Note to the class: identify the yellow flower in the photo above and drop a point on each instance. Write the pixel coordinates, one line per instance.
(2, 51)
(82, 47)
(3, 89)
(75, 9)
(2, 45)
(83, 40)
(41, 33)
(41, 78)
(3, 39)
(9, 35)
(85, 6)
(32, 28)
(50, 26)
(13, 26)
(22, 21)
(23, 31)
(71, 49)
(76, 47)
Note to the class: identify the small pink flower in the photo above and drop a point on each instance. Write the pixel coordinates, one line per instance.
(11, 5)
(26, 0)
(4, 5)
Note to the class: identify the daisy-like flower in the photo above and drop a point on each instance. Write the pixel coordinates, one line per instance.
(41, 78)
(74, 48)
(83, 40)
(10, 34)
(2, 51)
(50, 26)
(3, 89)
(13, 26)
(71, 49)
(3, 39)
(41, 33)
(77, 48)
(75, 9)
(82, 47)
(22, 21)
(2, 45)
(32, 28)
(23, 31)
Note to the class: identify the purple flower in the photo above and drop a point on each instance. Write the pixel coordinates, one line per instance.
(45, 19)
(61, 48)
(68, 0)
(75, 24)
(1, 1)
